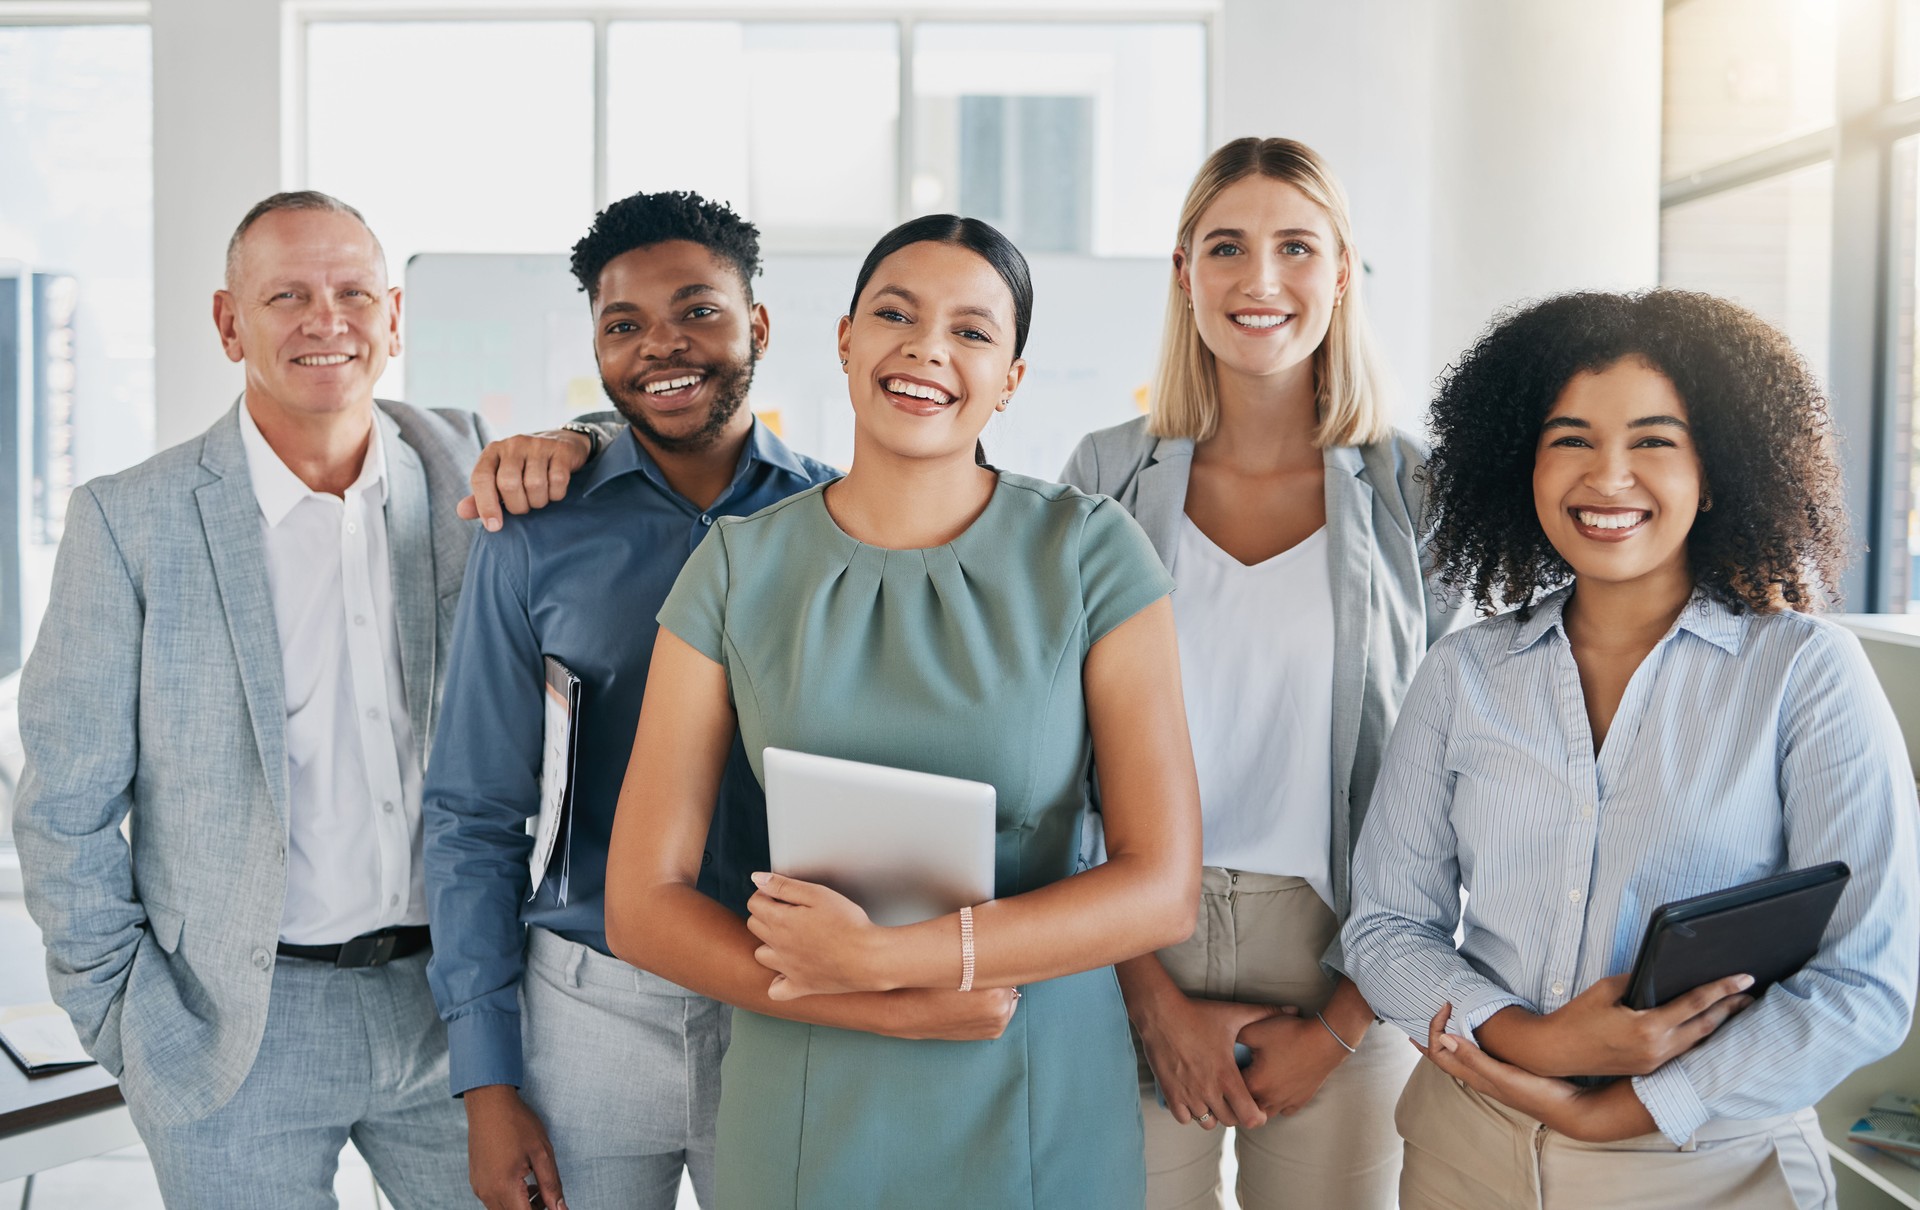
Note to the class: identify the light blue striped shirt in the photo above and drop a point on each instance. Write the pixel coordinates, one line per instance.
(1745, 745)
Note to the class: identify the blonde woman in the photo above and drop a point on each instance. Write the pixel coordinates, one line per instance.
(1274, 489)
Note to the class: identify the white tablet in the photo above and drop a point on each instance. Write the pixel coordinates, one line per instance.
(905, 846)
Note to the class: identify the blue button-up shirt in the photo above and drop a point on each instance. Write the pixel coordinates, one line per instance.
(1745, 745)
(579, 580)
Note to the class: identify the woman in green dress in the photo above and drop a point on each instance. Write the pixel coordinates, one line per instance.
(929, 613)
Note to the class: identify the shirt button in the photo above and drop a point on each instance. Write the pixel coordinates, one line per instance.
(1586, 812)
(352, 528)
(1559, 988)
(1573, 896)
(359, 619)
(393, 901)
(373, 712)
(262, 960)
(387, 806)
(705, 520)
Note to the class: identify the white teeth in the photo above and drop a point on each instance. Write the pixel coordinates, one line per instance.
(1610, 520)
(901, 386)
(670, 384)
(1260, 321)
(323, 359)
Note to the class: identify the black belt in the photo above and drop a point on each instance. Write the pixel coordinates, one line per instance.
(369, 949)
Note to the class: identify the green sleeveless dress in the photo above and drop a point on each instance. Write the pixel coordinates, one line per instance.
(964, 660)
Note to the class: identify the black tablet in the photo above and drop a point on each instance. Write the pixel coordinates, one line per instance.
(1768, 929)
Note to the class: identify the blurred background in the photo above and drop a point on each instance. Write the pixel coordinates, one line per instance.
(1493, 150)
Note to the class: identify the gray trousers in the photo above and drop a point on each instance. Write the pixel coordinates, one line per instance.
(623, 1067)
(347, 1054)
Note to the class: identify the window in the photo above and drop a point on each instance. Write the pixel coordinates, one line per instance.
(1074, 136)
(1070, 138)
(440, 156)
(76, 288)
(796, 125)
(1742, 75)
(1902, 538)
(1766, 246)
(1790, 142)
(76, 306)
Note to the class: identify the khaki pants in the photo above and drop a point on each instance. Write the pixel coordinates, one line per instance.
(1259, 940)
(1467, 1152)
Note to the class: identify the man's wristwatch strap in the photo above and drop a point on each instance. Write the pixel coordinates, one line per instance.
(592, 434)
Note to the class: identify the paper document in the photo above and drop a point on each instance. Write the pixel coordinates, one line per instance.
(562, 743)
(41, 1039)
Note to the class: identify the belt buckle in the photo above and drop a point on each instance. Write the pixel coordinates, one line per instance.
(371, 949)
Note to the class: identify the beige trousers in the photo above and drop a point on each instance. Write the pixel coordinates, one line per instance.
(1259, 941)
(1467, 1152)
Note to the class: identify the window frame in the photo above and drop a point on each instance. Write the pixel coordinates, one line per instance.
(300, 15)
(1863, 294)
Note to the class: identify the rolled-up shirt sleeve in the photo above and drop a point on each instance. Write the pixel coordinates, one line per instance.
(1399, 939)
(1847, 794)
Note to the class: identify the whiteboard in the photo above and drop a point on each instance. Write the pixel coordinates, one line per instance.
(510, 336)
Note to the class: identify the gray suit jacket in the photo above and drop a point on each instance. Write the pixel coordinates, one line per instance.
(156, 691)
(1384, 615)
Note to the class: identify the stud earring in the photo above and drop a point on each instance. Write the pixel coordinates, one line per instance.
(843, 363)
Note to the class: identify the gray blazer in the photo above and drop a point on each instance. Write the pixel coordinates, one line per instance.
(156, 691)
(1384, 615)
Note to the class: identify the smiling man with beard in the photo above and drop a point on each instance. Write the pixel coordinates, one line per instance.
(574, 1066)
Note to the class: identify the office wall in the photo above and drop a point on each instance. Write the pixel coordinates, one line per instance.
(216, 151)
(1355, 81)
(1546, 156)
(1494, 149)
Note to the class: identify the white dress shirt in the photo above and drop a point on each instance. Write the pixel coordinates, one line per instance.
(353, 851)
(1256, 669)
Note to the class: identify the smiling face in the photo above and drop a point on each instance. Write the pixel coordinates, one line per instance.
(1616, 477)
(310, 313)
(929, 351)
(676, 340)
(1263, 272)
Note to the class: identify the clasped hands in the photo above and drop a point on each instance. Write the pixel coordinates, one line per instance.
(1189, 1044)
(1523, 1057)
(816, 941)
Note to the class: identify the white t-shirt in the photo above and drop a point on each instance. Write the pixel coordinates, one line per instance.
(1256, 667)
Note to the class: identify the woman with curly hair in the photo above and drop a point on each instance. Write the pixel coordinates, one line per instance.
(1282, 500)
(1648, 480)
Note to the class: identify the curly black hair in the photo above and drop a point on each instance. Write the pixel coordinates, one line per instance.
(1776, 535)
(645, 219)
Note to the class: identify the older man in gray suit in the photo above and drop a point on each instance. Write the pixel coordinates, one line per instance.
(243, 655)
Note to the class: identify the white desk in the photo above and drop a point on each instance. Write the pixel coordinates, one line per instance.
(52, 1120)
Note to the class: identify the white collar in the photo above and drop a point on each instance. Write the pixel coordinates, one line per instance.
(278, 489)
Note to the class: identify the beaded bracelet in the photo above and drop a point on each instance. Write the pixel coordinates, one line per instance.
(966, 949)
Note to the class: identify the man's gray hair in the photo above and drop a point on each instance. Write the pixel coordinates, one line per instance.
(297, 199)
